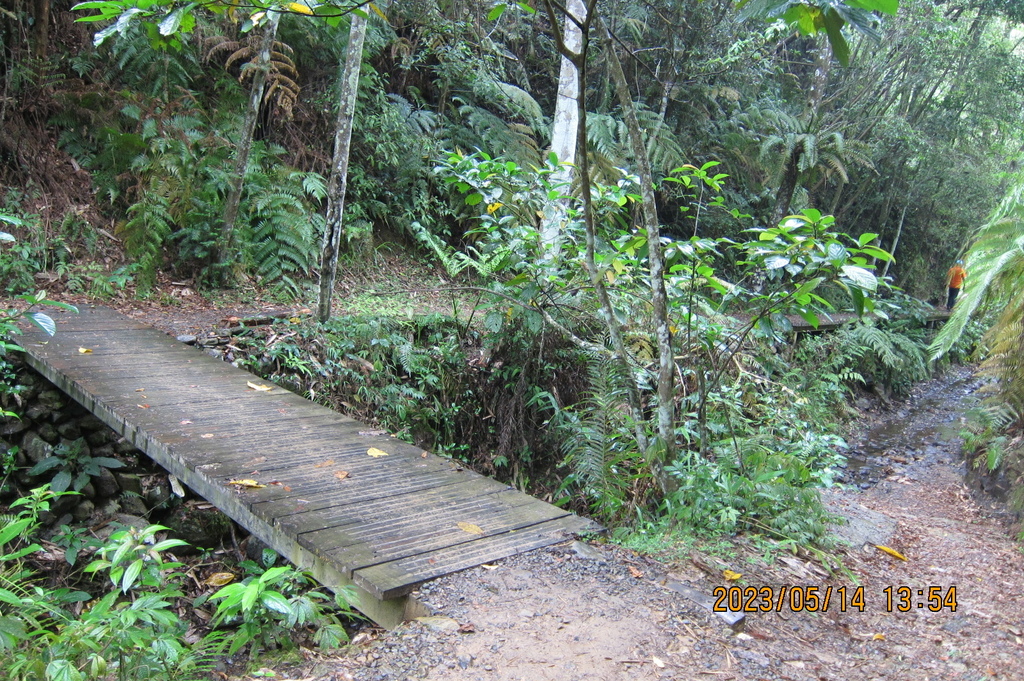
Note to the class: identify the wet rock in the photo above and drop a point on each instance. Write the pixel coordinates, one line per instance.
(132, 504)
(83, 510)
(99, 438)
(158, 495)
(12, 426)
(106, 484)
(36, 448)
(200, 527)
(124, 447)
(69, 430)
(129, 482)
(37, 412)
(52, 400)
(584, 550)
(90, 423)
(187, 339)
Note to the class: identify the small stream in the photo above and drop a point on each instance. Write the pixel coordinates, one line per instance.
(925, 428)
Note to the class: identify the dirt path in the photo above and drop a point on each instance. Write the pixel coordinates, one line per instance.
(581, 611)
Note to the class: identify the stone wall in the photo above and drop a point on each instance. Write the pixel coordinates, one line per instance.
(138, 492)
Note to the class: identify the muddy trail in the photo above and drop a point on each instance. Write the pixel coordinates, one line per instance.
(952, 610)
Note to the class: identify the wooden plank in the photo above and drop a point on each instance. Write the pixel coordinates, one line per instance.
(398, 577)
(196, 416)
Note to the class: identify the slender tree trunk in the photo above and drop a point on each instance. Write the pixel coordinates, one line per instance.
(338, 183)
(895, 240)
(41, 28)
(596, 279)
(656, 265)
(564, 128)
(234, 198)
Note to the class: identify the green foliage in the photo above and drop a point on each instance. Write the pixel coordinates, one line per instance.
(272, 604)
(606, 472)
(75, 466)
(185, 169)
(866, 353)
(59, 634)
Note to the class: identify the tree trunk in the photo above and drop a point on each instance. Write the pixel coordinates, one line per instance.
(234, 198)
(564, 129)
(621, 356)
(41, 28)
(338, 182)
(895, 240)
(656, 265)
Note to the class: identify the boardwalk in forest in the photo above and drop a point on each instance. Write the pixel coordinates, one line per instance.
(357, 507)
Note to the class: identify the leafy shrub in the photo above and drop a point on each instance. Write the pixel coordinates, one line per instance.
(273, 604)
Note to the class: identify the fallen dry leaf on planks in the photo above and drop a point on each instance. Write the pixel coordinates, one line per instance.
(259, 387)
(376, 453)
(469, 527)
(341, 475)
(324, 464)
(247, 482)
(84, 351)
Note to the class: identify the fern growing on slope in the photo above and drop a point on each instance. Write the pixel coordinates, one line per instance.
(284, 231)
(599, 449)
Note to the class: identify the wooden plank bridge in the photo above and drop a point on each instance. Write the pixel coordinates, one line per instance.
(356, 507)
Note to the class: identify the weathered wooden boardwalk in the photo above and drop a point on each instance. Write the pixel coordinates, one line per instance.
(833, 322)
(382, 524)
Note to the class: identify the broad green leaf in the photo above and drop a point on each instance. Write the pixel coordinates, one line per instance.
(860, 277)
(63, 670)
(377, 11)
(9, 532)
(130, 575)
(866, 238)
(249, 596)
(474, 199)
(169, 544)
(879, 253)
(9, 598)
(61, 482)
(47, 464)
(172, 21)
(496, 13)
(834, 29)
(12, 627)
(887, 6)
(272, 600)
(810, 318)
(43, 321)
(774, 262)
(526, 8)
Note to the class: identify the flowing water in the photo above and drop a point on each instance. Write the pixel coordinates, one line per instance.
(924, 428)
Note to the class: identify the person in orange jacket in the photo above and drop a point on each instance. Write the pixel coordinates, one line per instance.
(955, 281)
